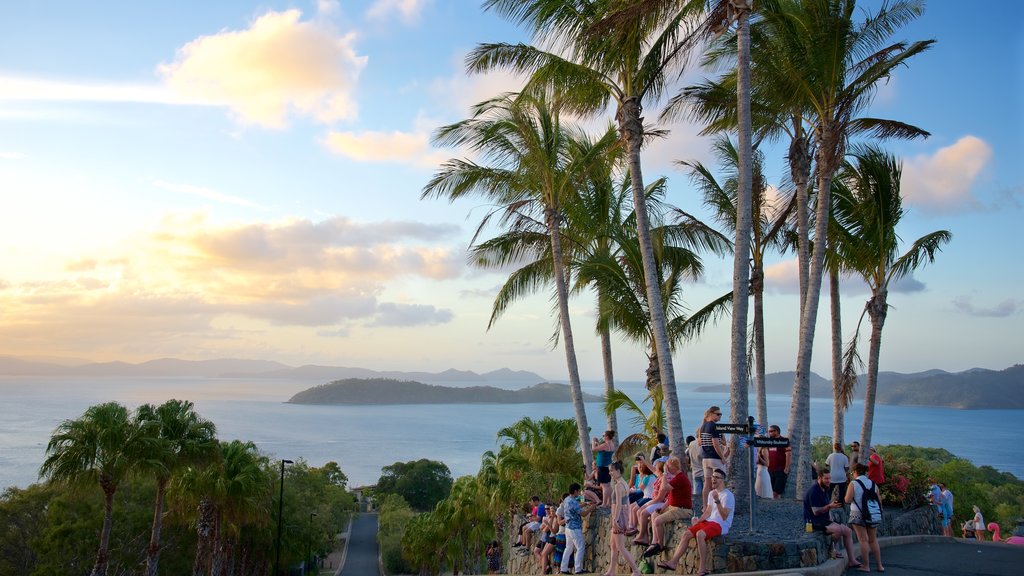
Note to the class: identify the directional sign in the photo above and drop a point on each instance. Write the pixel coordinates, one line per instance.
(769, 442)
(731, 428)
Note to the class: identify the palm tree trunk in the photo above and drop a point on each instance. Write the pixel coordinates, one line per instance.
(760, 383)
(877, 310)
(800, 171)
(204, 532)
(609, 376)
(575, 390)
(153, 552)
(740, 382)
(799, 414)
(838, 401)
(103, 554)
(631, 130)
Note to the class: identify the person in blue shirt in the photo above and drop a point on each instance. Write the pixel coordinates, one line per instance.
(574, 544)
(817, 505)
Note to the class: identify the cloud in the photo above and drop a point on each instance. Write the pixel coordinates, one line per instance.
(279, 65)
(389, 314)
(396, 147)
(907, 285)
(209, 194)
(480, 292)
(784, 278)
(943, 182)
(11, 156)
(46, 90)
(407, 10)
(1004, 309)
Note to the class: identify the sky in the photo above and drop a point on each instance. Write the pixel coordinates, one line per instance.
(242, 179)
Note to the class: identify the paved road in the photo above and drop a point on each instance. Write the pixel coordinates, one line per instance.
(951, 559)
(361, 559)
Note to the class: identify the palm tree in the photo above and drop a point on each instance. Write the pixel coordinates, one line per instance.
(869, 208)
(105, 445)
(535, 163)
(183, 438)
(625, 66)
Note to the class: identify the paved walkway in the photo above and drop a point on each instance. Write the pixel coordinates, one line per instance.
(943, 558)
(361, 558)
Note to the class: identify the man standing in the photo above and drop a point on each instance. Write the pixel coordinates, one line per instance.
(946, 507)
(696, 454)
(573, 530)
(679, 506)
(876, 467)
(817, 506)
(779, 459)
(715, 521)
(854, 454)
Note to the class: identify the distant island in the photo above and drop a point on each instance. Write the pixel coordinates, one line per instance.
(388, 391)
(975, 389)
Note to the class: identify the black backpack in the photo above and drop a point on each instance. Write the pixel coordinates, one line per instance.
(870, 507)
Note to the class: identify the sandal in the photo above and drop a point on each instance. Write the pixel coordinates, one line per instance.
(665, 566)
(639, 542)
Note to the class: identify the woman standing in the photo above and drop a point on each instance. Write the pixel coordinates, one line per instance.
(867, 536)
(763, 481)
(979, 524)
(619, 522)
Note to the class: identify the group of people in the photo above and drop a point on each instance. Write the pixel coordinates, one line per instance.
(846, 481)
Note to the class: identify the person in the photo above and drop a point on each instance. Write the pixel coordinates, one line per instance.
(696, 454)
(559, 551)
(662, 486)
(763, 481)
(678, 506)
(819, 502)
(619, 522)
(715, 521)
(550, 528)
(661, 446)
(532, 525)
(574, 543)
(854, 454)
(603, 449)
(493, 555)
(838, 463)
(640, 477)
(650, 488)
(979, 524)
(712, 446)
(779, 460)
(867, 533)
(876, 467)
(946, 506)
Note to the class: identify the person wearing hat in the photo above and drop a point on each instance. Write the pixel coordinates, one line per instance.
(712, 445)
(715, 521)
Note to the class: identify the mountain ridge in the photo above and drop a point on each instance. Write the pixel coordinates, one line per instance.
(389, 391)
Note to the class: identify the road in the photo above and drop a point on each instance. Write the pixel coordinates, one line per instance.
(361, 558)
(951, 559)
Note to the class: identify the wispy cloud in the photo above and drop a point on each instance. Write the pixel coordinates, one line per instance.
(1004, 309)
(411, 148)
(784, 278)
(407, 10)
(20, 88)
(208, 194)
(390, 314)
(11, 156)
(944, 181)
(280, 65)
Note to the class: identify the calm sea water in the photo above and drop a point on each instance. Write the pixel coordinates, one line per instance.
(362, 439)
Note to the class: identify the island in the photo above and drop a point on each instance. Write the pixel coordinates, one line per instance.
(388, 391)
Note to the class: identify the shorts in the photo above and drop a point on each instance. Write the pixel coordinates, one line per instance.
(711, 529)
(642, 501)
(635, 497)
(603, 475)
(533, 526)
(654, 508)
(712, 464)
(778, 481)
(672, 513)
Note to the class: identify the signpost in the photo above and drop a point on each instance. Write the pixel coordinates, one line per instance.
(769, 442)
(732, 428)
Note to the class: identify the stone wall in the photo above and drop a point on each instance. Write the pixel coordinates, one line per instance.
(731, 553)
(728, 554)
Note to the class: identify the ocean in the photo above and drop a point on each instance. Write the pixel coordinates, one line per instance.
(363, 439)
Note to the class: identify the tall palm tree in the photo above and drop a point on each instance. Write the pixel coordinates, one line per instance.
(105, 445)
(533, 162)
(625, 67)
(183, 438)
(869, 209)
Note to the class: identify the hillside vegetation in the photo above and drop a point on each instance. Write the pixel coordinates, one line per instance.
(385, 391)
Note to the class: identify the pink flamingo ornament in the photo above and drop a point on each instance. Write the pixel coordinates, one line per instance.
(994, 529)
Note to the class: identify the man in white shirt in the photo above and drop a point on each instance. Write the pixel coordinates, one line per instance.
(715, 521)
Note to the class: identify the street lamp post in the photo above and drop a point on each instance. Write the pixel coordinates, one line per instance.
(309, 540)
(280, 511)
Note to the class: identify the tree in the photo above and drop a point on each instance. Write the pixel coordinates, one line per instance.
(103, 446)
(182, 438)
(624, 66)
(422, 483)
(533, 163)
(869, 209)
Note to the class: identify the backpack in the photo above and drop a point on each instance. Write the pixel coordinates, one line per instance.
(870, 507)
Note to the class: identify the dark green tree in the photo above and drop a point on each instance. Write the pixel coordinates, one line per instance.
(422, 483)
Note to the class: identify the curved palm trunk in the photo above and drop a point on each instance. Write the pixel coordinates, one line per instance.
(738, 391)
(799, 414)
(153, 552)
(800, 172)
(838, 403)
(760, 383)
(570, 347)
(877, 309)
(103, 554)
(631, 130)
(609, 376)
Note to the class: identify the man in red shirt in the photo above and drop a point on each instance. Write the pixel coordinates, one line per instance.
(876, 468)
(679, 505)
(779, 459)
